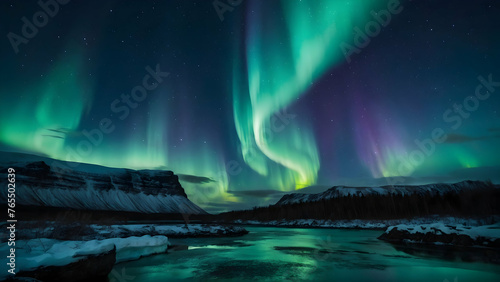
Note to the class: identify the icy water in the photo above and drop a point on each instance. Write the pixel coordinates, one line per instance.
(277, 254)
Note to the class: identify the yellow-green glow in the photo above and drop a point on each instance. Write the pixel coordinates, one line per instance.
(282, 63)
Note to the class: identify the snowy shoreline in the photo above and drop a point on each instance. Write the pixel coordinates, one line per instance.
(440, 233)
(171, 230)
(48, 258)
(85, 232)
(97, 248)
(368, 224)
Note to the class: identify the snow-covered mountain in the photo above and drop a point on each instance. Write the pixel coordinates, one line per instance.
(403, 190)
(41, 181)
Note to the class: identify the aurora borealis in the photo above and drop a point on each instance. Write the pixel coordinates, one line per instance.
(264, 101)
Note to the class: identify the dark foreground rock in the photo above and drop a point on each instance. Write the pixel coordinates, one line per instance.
(91, 268)
(435, 236)
(466, 243)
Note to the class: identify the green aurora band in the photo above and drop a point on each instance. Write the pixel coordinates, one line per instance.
(282, 63)
(357, 125)
(48, 110)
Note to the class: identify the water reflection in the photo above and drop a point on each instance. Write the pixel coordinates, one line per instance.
(275, 254)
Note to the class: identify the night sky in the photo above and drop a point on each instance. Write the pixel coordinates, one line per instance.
(260, 97)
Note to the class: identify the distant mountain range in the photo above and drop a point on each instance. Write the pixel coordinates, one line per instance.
(401, 190)
(45, 182)
(466, 198)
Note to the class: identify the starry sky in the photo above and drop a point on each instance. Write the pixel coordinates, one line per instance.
(247, 100)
